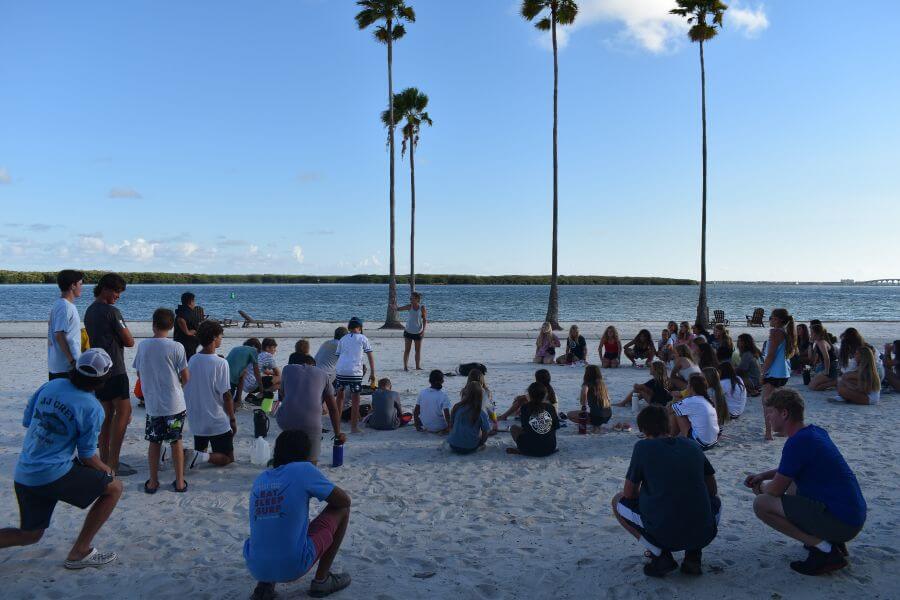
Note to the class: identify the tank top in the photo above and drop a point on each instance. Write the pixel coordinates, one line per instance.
(780, 368)
(611, 347)
(414, 320)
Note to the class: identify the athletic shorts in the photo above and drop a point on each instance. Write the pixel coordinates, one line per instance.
(351, 382)
(703, 445)
(611, 356)
(115, 388)
(80, 487)
(813, 517)
(412, 336)
(776, 381)
(600, 416)
(630, 510)
(164, 429)
(642, 353)
(221, 444)
(321, 533)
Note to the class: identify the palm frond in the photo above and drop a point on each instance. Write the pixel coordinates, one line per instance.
(381, 34)
(544, 24)
(532, 8)
(566, 12)
(367, 17)
(406, 13)
(697, 13)
(398, 31)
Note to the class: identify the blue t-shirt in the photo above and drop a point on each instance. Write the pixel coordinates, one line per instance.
(279, 548)
(464, 434)
(811, 459)
(239, 358)
(59, 418)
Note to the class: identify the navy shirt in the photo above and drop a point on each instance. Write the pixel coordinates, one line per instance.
(811, 459)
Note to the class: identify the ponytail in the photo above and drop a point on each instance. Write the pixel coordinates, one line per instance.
(790, 331)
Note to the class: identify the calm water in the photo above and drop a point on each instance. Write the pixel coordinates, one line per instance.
(337, 302)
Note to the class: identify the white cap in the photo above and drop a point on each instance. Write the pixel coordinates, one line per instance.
(94, 362)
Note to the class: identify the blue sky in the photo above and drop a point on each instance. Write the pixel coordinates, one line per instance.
(244, 137)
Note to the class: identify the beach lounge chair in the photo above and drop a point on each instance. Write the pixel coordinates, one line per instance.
(719, 318)
(224, 322)
(757, 319)
(251, 322)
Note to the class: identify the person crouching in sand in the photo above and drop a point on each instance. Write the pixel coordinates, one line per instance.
(594, 400)
(670, 498)
(284, 545)
(546, 345)
(813, 496)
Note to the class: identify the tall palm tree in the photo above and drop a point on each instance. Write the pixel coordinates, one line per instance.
(409, 105)
(698, 13)
(562, 12)
(390, 15)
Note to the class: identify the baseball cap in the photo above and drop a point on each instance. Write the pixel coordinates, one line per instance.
(94, 362)
(354, 322)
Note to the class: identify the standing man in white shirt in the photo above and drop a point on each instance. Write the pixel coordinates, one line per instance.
(349, 369)
(64, 328)
(416, 319)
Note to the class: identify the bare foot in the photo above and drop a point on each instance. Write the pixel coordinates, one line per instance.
(405, 368)
(418, 368)
(357, 430)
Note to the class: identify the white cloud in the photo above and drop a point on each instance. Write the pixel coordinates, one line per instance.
(750, 20)
(124, 192)
(188, 248)
(138, 249)
(253, 250)
(91, 244)
(297, 251)
(4, 176)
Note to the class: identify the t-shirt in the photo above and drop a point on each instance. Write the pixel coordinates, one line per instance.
(539, 427)
(239, 358)
(674, 501)
(660, 395)
(204, 393)
(303, 387)
(63, 317)
(432, 403)
(279, 548)
(386, 410)
(577, 348)
(297, 358)
(811, 459)
(326, 357)
(159, 362)
(702, 415)
(350, 352)
(59, 418)
(464, 434)
(191, 319)
(750, 365)
(103, 322)
(266, 362)
(735, 397)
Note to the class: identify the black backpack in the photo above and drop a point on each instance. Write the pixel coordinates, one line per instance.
(466, 368)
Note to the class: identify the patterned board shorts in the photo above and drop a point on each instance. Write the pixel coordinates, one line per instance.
(164, 429)
(353, 383)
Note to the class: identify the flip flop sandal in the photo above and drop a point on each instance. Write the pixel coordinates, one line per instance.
(148, 489)
(182, 490)
(94, 558)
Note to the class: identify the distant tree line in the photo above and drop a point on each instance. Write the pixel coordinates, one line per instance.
(194, 278)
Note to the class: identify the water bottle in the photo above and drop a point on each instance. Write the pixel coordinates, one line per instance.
(635, 406)
(337, 453)
(260, 451)
(582, 422)
(807, 375)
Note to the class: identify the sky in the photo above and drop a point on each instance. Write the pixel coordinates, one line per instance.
(224, 136)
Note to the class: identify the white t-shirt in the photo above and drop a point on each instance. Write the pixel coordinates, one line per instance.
(432, 403)
(735, 397)
(350, 352)
(702, 416)
(63, 317)
(159, 361)
(266, 362)
(203, 395)
(487, 402)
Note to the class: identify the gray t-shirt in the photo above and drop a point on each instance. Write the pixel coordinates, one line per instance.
(386, 410)
(750, 365)
(674, 500)
(160, 361)
(327, 357)
(103, 322)
(303, 388)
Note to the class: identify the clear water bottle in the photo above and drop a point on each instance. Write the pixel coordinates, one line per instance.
(635, 404)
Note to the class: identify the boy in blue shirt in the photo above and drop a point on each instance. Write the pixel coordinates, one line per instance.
(61, 416)
(813, 496)
(283, 544)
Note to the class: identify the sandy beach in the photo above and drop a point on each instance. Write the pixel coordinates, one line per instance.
(426, 523)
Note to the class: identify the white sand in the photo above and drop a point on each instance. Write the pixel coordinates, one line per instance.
(487, 526)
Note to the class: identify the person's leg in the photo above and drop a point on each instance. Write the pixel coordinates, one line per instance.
(625, 524)
(96, 517)
(604, 363)
(418, 344)
(819, 383)
(105, 430)
(614, 363)
(677, 384)
(342, 516)
(770, 511)
(515, 431)
(178, 463)
(629, 353)
(13, 536)
(407, 344)
(849, 392)
(768, 390)
(153, 453)
(354, 413)
(548, 360)
(118, 426)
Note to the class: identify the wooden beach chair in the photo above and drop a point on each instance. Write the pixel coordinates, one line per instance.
(757, 319)
(224, 322)
(251, 322)
(719, 318)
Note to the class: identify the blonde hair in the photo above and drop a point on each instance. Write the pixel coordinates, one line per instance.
(593, 380)
(573, 329)
(545, 333)
(721, 404)
(605, 336)
(684, 352)
(478, 376)
(659, 374)
(868, 372)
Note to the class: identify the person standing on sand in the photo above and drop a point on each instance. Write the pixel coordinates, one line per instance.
(327, 357)
(670, 499)
(776, 368)
(283, 545)
(186, 322)
(62, 416)
(64, 327)
(349, 368)
(813, 496)
(163, 371)
(106, 329)
(414, 331)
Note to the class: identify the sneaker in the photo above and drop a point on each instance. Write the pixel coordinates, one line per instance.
(125, 470)
(691, 563)
(660, 565)
(335, 582)
(197, 457)
(264, 591)
(819, 563)
(94, 558)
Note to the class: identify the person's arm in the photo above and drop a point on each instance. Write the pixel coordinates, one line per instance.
(447, 419)
(628, 345)
(424, 320)
(184, 376)
(338, 498)
(416, 420)
(258, 375)
(334, 413)
(182, 325)
(630, 490)
(371, 356)
(555, 341)
(777, 486)
(240, 388)
(404, 307)
(88, 426)
(63, 344)
(752, 481)
(228, 405)
(583, 398)
(94, 462)
(122, 330)
(711, 485)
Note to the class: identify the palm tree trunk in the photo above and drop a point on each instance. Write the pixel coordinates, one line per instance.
(702, 308)
(392, 321)
(553, 303)
(412, 217)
